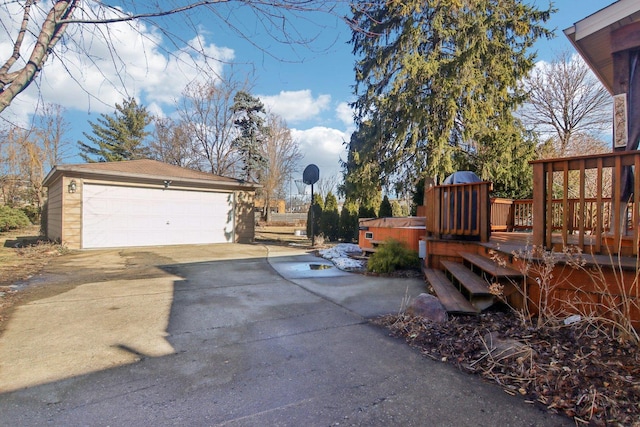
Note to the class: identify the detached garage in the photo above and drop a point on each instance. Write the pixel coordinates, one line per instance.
(145, 203)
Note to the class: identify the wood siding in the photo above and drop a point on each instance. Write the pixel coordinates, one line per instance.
(409, 237)
(54, 211)
(72, 214)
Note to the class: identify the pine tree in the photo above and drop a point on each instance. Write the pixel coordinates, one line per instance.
(439, 80)
(119, 136)
(250, 123)
(330, 223)
(349, 222)
(314, 215)
(365, 211)
(385, 208)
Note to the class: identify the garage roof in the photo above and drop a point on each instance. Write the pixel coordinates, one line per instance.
(147, 170)
(591, 36)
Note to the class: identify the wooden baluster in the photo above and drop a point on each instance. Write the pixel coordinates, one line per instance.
(581, 207)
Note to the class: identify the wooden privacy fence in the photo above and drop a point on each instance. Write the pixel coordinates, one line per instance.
(601, 221)
(502, 214)
(459, 210)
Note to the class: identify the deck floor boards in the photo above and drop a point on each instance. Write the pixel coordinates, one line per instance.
(509, 243)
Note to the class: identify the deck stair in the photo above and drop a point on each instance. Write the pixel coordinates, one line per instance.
(452, 300)
(488, 268)
(463, 287)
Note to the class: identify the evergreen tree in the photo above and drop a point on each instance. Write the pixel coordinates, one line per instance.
(250, 123)
(314, 215)
(365, 211)
(385, 210)
(349, 222)
(417, 198)
(119, 136)
(330, 223)
(399, 210)
(362, 177)
(440, 82)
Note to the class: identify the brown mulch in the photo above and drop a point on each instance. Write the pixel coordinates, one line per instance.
(580, 370)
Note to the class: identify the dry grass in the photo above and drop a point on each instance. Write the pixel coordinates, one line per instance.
(23, 253)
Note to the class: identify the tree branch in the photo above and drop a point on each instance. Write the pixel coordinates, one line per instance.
(4, 77)
(50, 34)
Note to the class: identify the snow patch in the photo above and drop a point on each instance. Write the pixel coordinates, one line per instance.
(339, 255)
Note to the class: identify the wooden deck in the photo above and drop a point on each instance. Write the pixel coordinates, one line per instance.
(509, 243)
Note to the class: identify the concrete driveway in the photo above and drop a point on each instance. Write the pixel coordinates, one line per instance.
(238, 335)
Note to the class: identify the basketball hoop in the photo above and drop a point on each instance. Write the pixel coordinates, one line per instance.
(302, 187)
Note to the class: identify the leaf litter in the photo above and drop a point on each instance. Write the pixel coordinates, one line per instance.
(578, 370)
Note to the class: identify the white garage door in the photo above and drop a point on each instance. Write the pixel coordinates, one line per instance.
(115, 216)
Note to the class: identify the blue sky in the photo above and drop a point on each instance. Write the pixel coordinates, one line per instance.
(310, 86)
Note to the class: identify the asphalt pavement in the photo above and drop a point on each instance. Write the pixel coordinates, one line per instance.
(228, 335)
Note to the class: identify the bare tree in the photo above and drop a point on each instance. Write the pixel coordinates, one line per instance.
(10, 182)
(23, 169)
(171, 144)
(326, 185)
(282, 153)
(565, 100)
(27, 155)
(40, 30)
(51, 128)
(580, 144)
(206, 113)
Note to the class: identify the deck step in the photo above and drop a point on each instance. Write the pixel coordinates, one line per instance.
(452, 300)
(490, 267)
(473, 286)
(473, 283)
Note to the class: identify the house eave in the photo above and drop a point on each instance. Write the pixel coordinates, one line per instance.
(591, 36)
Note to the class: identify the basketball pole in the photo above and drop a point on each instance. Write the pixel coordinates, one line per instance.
(313, 234)
(310, 176)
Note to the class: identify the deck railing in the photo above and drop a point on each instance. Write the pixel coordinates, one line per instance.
(603, 223)
(517, 215)
(458, 210)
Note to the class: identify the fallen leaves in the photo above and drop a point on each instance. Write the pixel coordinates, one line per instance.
(576, 370)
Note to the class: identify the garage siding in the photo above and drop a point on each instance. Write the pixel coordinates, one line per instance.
(54, 211)
(120, 216)
(245, 217)
(72, 213)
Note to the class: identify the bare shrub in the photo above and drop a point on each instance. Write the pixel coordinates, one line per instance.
(612, 312)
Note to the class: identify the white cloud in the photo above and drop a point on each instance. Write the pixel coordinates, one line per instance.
(344, 113)
(323, 147)
(295, 106)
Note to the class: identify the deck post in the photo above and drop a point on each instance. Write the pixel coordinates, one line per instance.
(539, 203)
(485, 212)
